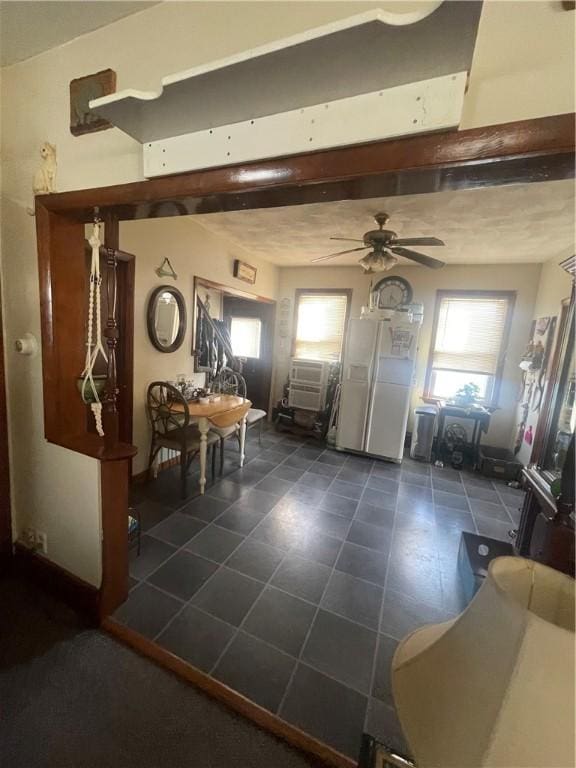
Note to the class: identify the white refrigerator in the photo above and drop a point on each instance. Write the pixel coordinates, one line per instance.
(377, 381)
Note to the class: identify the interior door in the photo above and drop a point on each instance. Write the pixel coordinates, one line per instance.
(5, 515)
(257, 368)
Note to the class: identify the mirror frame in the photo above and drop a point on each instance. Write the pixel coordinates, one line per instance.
(151, 315)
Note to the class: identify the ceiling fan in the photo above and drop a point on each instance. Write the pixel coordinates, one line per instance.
(385, 247)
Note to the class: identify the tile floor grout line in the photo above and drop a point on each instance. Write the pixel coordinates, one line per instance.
(470, 508)
(309, 632)
(239, 627)
(380, 615)
(267, 643)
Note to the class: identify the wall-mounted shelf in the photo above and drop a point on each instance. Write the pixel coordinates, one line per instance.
(348, 64)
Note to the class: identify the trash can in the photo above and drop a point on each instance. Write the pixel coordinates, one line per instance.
(423, 433)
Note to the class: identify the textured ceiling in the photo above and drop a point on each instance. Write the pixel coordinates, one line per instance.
(508, 224)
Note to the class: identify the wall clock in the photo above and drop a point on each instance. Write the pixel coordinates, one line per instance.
(392, 292)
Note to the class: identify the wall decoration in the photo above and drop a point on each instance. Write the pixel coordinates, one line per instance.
(44, 182)
(82, 91)
(534, 364)
(244, 271)
(45, 177)
(166, 269)
(284, 315)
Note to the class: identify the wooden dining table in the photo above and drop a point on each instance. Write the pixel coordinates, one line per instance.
(221, 411)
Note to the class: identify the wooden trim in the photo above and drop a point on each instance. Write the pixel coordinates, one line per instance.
(443, 293)
(564, 339)
(324, 754)
(298, 292)
(5, 507)
(539, 137)
(230, 291)
(114, 488)
(57, 581)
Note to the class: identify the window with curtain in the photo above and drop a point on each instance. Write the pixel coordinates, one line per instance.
(320, 324)
(469, 343)
(245, 335)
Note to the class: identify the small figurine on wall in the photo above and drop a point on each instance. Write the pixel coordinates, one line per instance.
(44, 181)
(45, 176)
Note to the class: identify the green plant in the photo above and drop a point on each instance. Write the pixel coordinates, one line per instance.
(468, 394)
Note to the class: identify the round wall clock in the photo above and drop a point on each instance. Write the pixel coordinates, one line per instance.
(393, 292)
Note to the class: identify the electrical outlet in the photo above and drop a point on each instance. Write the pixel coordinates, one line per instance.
(42, 542)
(29, 537)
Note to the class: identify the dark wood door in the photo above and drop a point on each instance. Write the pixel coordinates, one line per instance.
(5, 515)
(256, 370)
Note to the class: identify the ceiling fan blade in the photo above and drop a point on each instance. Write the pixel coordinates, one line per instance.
(340, 253)
(417, 241)
(348, 239)
(427, 261)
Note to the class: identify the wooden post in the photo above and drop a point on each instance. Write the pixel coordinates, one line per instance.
(110, 420)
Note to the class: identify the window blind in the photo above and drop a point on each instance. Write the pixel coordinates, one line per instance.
(469, 334)
(320, 323)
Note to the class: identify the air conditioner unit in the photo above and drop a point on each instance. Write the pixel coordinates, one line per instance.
(306, 397)
(314, 372)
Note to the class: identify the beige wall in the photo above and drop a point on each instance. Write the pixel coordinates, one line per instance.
(554, 286)
(192, 252)
(527, 77)
(522, 278)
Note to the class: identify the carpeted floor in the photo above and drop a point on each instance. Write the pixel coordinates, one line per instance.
(72, 697)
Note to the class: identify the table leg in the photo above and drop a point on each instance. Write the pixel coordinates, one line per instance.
(203, 427)
(242, 440)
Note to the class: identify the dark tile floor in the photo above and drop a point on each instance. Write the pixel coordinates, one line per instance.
(293, 579)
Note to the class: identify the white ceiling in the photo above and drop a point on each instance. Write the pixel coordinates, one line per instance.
(507, 224)
(28, 28)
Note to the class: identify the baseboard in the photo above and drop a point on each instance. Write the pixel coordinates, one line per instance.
(60, 583)
(141, 477)
(321, 753)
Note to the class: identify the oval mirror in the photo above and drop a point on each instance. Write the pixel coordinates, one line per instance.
(166, 318)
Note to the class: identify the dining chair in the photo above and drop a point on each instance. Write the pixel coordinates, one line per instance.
(169, 418)
(233, 383)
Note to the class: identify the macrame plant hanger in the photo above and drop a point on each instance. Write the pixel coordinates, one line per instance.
(94, 348)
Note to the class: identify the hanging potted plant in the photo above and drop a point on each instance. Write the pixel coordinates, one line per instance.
(467, 395)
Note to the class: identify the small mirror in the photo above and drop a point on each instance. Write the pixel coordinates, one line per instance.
(166, 318)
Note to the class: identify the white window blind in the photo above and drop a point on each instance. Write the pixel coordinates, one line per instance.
(320, 325)
(469, 343)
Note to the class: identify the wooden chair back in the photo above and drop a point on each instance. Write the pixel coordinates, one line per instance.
(161, 398)
(229, 382)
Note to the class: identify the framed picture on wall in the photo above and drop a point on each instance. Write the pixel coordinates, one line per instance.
(82, 91)
(244, 271)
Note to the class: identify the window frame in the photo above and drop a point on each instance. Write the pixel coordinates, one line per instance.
(347, 292)
(510, 297)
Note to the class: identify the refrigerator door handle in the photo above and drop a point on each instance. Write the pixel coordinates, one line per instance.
(371, 385)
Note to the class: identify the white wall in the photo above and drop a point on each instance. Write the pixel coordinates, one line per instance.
(522, 278)
(192, 251)
(531, 38)
(554, 286)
